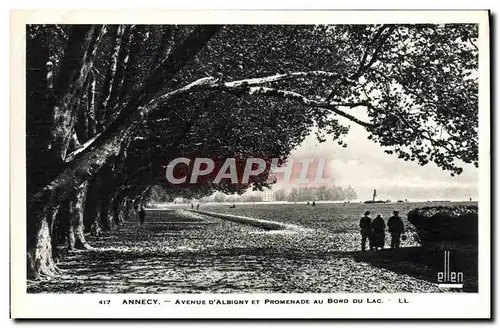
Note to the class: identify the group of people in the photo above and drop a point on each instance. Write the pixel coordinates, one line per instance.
(374, 230)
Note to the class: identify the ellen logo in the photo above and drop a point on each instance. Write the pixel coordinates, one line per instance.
(447, 278)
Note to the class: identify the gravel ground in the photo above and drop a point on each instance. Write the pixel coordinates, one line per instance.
(176, 251)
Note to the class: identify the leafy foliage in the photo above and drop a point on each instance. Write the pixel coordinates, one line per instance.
(416, 83)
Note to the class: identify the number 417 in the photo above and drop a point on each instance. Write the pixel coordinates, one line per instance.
(104, 301)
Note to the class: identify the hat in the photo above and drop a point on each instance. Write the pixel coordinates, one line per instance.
(395, 212)
(367, 213)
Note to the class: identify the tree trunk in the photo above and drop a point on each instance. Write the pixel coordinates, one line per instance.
(117, 211)
(74, 70)
(110, 75)
(123, 210)
(56, 229)
(166, 45)
(91, 121)
(38, 115)
(129, 207)
(92, 209)
(107, 177)
(114, 77)
(106, 215)
(76, 237)
(59, 118)
(96, 228)
(40, 261)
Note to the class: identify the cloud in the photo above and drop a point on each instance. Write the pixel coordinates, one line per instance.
(365, 167)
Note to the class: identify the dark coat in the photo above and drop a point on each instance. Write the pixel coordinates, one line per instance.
(365, 225)
(395, 224)
(378, 232)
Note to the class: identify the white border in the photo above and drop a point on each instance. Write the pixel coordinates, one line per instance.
(70, 306)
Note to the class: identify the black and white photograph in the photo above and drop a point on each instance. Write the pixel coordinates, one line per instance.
(273, 159)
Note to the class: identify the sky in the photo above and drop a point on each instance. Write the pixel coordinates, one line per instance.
(365, 166)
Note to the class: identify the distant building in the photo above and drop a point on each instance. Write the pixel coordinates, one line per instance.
(268, 195)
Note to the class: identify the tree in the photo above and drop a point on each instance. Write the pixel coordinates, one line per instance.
(219, 197)
(350, 193)
(322, 193)
(338, 193)
(128, 99)
(279, 195)
(294, 195)
(158, 195)
(255, 197)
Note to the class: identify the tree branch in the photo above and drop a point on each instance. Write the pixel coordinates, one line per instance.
(157, 79)
(248, 86)
(287, 76)
(380, 45)
(333, 107)
(245, 86)
(368, 45)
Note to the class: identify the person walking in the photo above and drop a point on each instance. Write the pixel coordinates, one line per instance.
(365, 226)
(378, 232)
(396, 228)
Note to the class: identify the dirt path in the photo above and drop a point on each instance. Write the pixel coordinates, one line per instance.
(180, 252)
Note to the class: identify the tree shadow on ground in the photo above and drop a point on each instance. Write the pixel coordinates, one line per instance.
(130, 270)
(424, 263)
(114, 261)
